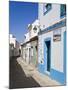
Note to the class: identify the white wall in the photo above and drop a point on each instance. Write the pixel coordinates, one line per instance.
(49, 18)
(41, 45)
(16, 44)
(12, 40)
(27, 52)
(36, 23)
(23, 52)
(56, 50)
(32, 33)
(26, 37)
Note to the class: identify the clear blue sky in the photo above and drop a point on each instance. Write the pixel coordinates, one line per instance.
(20, 15)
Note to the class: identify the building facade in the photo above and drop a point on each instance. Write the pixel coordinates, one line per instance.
(33, 35)
(25, 48)
(29, 47)
(14, 46)
(52, 41)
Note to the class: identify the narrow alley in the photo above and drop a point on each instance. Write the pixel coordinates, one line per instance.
(18, 78)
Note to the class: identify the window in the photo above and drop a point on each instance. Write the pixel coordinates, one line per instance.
(11, 46)
(36, 47)
(62, 10)
(35, 29)
(46, 8)
(31, 50)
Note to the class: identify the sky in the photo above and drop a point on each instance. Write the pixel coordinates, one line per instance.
(20, 15)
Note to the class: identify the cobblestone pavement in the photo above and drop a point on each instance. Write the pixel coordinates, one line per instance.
(17, 77)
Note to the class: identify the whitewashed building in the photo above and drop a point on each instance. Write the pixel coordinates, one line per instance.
(33, 29)
(29, 47)
(52, 41)
(33, 36)
(14, 46)
(12, 40)
(25, 48)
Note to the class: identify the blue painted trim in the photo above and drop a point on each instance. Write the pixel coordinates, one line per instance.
(58, 76)
(47, 39)
(44, 13)
(41, 68)
(54, 74)
(62, 16)
(47, 10)
(55, 26)
(45, 62)
(64, 56)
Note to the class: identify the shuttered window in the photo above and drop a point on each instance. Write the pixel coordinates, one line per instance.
(63, 10)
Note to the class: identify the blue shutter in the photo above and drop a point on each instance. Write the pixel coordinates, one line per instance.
(63, 10)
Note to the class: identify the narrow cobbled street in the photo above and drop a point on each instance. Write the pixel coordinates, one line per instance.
(18, 78)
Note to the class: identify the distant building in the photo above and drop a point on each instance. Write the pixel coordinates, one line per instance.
(25, 48)
(30, 45)
(52, 41)
(12, 40)
(33, 36)
(14, 46)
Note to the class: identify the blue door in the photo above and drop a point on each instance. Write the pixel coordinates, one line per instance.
(47, 54)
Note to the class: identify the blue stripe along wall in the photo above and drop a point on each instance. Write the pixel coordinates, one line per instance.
(54, 74)
(42, 67)
(53, 27)
(60, 76)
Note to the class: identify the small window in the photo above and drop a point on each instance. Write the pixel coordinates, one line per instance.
(31, 50)
(47, 8)
(11, 46)
(62, 10)
(36, 47)
(25, 37)
(35, 29)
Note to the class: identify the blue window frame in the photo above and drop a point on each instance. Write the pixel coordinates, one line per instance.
(46, 8)
(62, 10)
